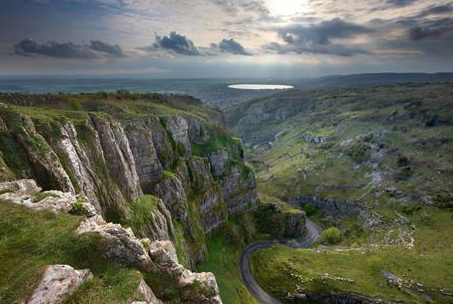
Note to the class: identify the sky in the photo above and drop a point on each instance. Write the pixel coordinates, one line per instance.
(224, 38)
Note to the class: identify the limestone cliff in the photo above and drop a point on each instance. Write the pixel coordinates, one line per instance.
(112, 153)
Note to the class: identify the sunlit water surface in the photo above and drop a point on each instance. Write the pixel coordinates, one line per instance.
(260, 86)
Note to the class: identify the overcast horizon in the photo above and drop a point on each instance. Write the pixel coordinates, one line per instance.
(224, 38)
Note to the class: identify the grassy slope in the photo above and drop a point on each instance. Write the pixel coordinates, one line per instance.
(395, 119)
(31, 240)
(390, 122)
(428, 263)
(224, 248)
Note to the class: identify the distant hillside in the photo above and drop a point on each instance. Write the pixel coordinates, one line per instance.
(372, 166)
(374, 78)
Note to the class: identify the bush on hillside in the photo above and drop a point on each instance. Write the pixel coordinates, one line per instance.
(331, 236)
(309, 209)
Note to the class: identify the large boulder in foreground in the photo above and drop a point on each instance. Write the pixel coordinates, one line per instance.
(58, 283)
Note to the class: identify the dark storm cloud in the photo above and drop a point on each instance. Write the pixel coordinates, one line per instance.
(442, 29)
(112, 49)
(400, 3)
(435, 10)
(321, 33)
(332, 49)
(232, 47)
(96, 49)
(175, 43)
(317, 38)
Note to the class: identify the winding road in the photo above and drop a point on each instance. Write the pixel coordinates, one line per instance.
(312, 235)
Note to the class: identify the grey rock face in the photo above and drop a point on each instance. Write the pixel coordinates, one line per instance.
(178, 128)
(218, 161)
(58, 283)
(337, 208)
(46, 165)
(239, 190)
(118, 155)
(148, 166)
(25, 192)
(205, 284)
(161, 141)
(295, 224)
(197, 131)
(210, 204)
(145, 292)
(172, 193)
(57, 201)
(22, 186)
(161, 225)
(122, 245)
(124, 248)
(275, 220)
(79, 164)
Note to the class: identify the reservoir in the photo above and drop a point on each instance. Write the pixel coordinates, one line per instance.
(260, 86)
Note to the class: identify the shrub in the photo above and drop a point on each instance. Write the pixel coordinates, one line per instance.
(42, 195)
(331, 236)
(444, 199)
(77, 208)
(410, 208)
(402, 161)
(309, 209)
(359, 152)
(75, 105)
(432, 121)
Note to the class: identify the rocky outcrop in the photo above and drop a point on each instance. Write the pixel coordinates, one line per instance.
(23, 186)
(196, 287)
(178, 128)
(121, 244)
(153, 257)
(197, 131)
(58, 283)
(280, 221)
(312, 138)
(44, 161)
(145, 293)
(336, 208)
(239, 189)
(158, 224)
(25, 193)
(170, 189)
(218, 161)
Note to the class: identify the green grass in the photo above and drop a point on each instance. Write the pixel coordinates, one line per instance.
(390, 117)
(223, 260)
(42, 195)
(224, 248)
(141, 214)
(429, 263)
(30, 240)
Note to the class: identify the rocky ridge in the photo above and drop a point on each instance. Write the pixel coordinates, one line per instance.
(121, 245)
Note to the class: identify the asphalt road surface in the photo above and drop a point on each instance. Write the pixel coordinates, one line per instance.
(312, 235)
